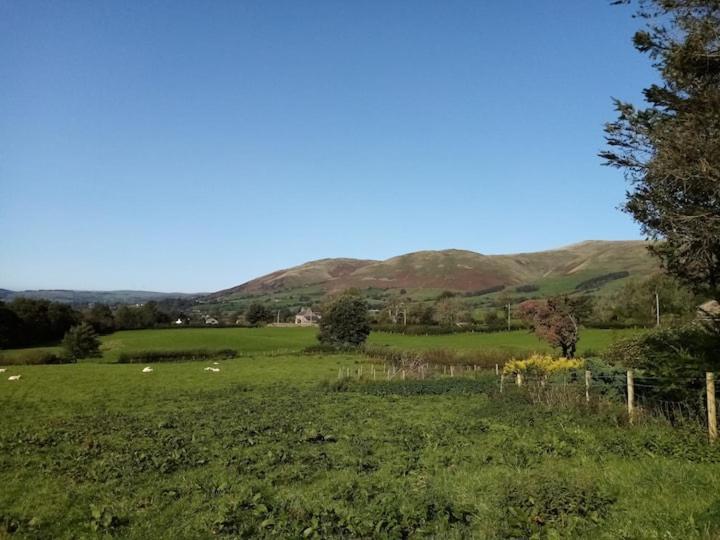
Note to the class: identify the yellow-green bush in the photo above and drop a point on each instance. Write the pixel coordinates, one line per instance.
(542, 365)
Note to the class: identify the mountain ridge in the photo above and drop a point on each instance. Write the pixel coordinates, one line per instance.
(456, 269)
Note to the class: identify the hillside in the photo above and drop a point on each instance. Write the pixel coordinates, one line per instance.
(91, 297)
(562, 269)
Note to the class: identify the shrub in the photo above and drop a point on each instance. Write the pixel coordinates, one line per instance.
(484, 358)
(322, 348)
(542, 365)
(436, 330)
(674, 361)
(143, 357)
(599, 281)
(673, 351)
(527, 288)
(31, 358)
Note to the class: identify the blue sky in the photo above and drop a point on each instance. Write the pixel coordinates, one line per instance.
(191, 146)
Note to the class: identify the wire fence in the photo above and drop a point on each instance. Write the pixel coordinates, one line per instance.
(678, 397)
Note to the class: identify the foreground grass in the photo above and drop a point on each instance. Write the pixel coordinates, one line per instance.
(266, 448)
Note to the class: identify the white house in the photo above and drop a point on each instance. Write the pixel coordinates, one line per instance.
(211, 321)
(306, 317)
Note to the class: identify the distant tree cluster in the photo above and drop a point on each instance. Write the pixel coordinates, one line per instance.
(635, 303)
(25, 322)
(146, 316)
(258, 313)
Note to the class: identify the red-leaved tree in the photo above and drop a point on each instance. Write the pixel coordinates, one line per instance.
(556, 320)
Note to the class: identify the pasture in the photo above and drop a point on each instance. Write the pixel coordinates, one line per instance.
(292, 340)
(276, 446)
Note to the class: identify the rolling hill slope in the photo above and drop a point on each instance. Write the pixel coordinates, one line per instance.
(458, 270)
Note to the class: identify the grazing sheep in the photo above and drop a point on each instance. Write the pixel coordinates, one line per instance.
(14, 377)
(3, 370)
(216, 363)
(213, 369)
(147, 369)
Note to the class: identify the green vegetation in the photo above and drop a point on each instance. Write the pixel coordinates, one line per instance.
(591, 339)
(81, 341)
(669, 147)
(273, 446)
(248, 341)
(175, 355)
(345, 322)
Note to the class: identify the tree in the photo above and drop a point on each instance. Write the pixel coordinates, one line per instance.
(556, 320)
(493, 321)
(634, 302)
(670, 149)
(421, 314)
(10, 327)
(447, 311)
(344, 321)
(42, 321)
(257, 313)
(127, 317)
(81, 341)
(101, 318)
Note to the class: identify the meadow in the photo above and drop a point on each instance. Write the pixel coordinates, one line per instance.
(274, 445)
(291, 340)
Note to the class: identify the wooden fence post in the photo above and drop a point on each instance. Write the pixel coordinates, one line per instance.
(631, 395)
(339, 373)
(711, 406)
(497, 370)
(452, 371)
(403, 374)
(502, 380)
(587, 386)
(518, 379)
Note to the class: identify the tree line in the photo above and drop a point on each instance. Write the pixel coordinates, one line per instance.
(26, 322)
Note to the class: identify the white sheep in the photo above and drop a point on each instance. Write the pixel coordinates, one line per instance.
(213, 369)
(147, 369)
(3, 370)
(14, 377)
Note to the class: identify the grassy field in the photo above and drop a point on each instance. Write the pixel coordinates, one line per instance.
(262, 340)
(274, 447)
(590, 340)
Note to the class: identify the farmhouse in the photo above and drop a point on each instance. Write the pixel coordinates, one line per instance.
(306, 317)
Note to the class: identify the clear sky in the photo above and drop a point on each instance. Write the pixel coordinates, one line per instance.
(191, 146)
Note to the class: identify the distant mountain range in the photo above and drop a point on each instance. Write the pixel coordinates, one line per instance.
(92, 297)
(565, 269)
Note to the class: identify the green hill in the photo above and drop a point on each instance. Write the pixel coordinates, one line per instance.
(592, 266)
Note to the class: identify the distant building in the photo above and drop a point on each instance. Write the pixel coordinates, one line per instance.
(211, 321)
(306, 317)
